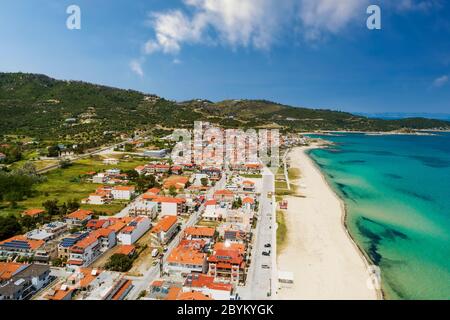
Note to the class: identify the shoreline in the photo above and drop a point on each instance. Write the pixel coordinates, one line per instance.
(325, 260)
(361, 252)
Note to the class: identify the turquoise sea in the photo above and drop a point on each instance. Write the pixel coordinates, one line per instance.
(397, 192)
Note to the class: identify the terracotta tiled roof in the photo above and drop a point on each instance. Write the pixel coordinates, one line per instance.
(33, 212)
(165, 224)
(199, 231)
(80, 214)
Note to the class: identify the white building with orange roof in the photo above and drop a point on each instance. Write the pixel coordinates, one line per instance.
(143, 207)
(34, 213)
(248, 204)
(84, 252)
(134, 230)
(186, 258)
(169, 205)
(224, 195)
(123, 192)
(165, 229)
(20, 246)
(106, 237)
(208, 286)
(248, 186)
(79, 217)
(214, 210)
(200, 233)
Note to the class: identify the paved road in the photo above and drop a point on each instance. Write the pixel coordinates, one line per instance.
(261, 282)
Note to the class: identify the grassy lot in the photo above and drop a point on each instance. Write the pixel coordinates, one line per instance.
(293, 173)
(281, 231)
(206, 223)
(64, 184)
(251, 176)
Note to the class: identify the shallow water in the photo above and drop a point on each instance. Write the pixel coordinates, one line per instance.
(397, 192)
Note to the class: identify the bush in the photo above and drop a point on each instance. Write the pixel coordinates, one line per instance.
(119, 262)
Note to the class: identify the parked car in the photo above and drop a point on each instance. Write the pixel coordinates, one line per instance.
(267, 245)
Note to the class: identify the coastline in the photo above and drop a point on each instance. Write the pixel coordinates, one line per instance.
(325, 260)
(361, 252)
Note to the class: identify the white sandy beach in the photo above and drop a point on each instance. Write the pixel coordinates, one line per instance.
(324, 260)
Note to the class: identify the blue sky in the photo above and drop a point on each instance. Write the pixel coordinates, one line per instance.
(312, 53)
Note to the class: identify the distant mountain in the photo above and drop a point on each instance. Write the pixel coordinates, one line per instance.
(42, 107)
(404, 115)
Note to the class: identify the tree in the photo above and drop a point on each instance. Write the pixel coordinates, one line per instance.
(119, 262)
(132, 174)
(53, 152)
(9, 226)
(204, 181)
(51, 206)
(73, 205)
(29, 223)
(173, 191)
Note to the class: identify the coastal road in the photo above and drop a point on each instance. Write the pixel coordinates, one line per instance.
(262, 281)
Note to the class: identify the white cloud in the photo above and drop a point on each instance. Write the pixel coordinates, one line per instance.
(136, 67)
(328, 16)
(440, 81)
(256, 23)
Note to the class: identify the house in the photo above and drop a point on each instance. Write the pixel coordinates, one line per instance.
(84, 252)
(99, 197)
(177, 182)
(224, 195)
(22, 281)
(239, 216)
(208, 286)
(165, 229)
(2, 156)
(60, 293)
(95, 224)
(144, 208)
(140, 169)
(235, 232)
(34, 213)
(48, 232)
(79, 218)
(20, 246)
(134, 230)
(123, 192)
(186, 258)
(200, 233)
(214, 211)
(254, 168)
(227, 263)
(153, 191)
(212, 172)
(66, 243)
(106, 238)
(167, 205)
(248, 186)
(100, 178)
(248, 204)
(176, 169)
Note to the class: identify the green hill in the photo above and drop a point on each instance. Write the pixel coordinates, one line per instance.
(42, 107)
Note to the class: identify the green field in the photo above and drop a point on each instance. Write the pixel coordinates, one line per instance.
(63, 184)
